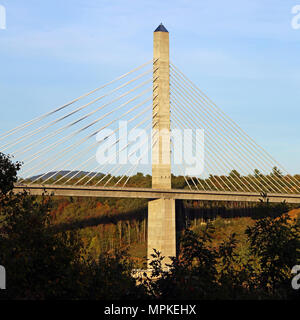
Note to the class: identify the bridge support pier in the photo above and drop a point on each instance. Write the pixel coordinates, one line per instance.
(161, 229)
(161, 212)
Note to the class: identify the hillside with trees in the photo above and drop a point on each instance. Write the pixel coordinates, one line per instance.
(78, 248)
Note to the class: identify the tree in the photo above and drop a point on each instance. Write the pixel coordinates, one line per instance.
(8, 173)
(192, 275)
(234, 174)
(39, 263)
(42, 263)
(257, 173)
(276, 243)
(276, 173)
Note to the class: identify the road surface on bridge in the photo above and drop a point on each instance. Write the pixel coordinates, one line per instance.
(147, 193)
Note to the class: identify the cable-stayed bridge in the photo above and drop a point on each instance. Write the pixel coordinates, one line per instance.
(155, 120)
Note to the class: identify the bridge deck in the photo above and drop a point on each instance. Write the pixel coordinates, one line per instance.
(147, 193)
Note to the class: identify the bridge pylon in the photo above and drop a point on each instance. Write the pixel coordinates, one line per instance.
(161, 212)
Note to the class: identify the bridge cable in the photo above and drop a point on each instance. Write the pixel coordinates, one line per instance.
(220, 159)
(94, 133)
(28, 123)
(139, 160)
(253, 145)
(68, 161)
(227, 119)
(58, 142)
(96, 143)
(208, 163)
(224, 161)
(224, 137)
(66, 116)
(172, 145)
(209, 187)
(100, 167)
(104, 165)
(238, 152)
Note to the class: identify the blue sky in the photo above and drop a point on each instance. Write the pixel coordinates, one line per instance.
(243, 54)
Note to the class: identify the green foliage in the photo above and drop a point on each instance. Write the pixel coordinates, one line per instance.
(42, 263)
(36, 259)
(107, 278)
(8, 173)
(276, 243)
(191, 275)
(46, 259)
(204, 272)
(235, 276)
(276, 173)
(266, 209)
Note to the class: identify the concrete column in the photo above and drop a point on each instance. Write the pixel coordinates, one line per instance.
(161, 212)
(161, 229)
(161, 155)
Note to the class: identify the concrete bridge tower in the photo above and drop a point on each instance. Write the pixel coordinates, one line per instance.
(161, 212)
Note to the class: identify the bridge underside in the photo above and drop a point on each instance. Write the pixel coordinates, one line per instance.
(177, 194)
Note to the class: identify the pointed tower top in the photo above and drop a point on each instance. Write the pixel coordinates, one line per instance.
(161, 28)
